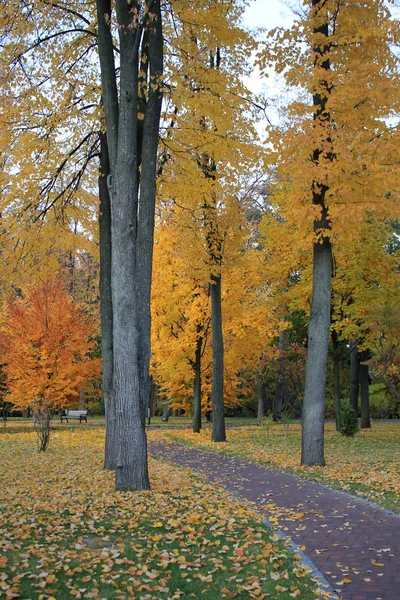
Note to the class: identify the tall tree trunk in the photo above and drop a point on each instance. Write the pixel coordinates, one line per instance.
(131, 228)
(260, 400)
(312, 452)
(197, 387)
(218, 429)
(354, 378)
(364, 390)
(336, 375)
(106, 316)
(280, 384)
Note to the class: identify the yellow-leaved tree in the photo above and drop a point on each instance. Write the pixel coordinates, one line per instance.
(337, 155)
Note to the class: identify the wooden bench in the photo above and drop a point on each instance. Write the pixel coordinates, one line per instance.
(75, 414)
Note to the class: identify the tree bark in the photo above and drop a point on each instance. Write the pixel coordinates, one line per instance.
(260, 400)
(153, 55)
(150, 399)
(280, 383)
(317, 356)
(132, 220)
(106, 316)
(336, 375)
(354, 379)
(320, 316)
(364, 390)
(218, 429)
(197, 387)
(165, 414)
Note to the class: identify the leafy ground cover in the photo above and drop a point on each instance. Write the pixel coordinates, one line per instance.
(184, 422)
(366, 465)
(65, 533)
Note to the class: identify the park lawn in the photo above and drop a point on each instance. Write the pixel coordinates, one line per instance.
(182, 422)
(65, 533)
(366, 465)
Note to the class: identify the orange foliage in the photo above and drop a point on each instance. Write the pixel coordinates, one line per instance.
(46, 348)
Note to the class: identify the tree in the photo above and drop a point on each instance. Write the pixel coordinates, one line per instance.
(46, 347)
(181, 349)
(385, 361)
(199, 184)
(132, 115)
(338, 155)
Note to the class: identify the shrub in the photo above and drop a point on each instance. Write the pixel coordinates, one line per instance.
(348, 422)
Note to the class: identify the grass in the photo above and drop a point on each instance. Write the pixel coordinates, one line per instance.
(66, 533)
(366, 465)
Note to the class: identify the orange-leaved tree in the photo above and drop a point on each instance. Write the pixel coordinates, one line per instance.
(47, 350)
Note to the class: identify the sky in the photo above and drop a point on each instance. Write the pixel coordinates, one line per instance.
(268, 14)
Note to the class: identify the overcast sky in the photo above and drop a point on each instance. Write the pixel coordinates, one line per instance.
(268, 14)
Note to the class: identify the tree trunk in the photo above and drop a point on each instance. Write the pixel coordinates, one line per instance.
(280, 384)
(106, 315)
(317, 356)
(165, 414)
(197, 387)
(131, 229)
(41, 423)
(364, 390)
(336, 375)
(312, 452)
(260, 400)
(150, 399)
(218, 430)
(354, 379)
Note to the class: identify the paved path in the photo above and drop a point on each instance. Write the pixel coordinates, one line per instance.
(354, 544)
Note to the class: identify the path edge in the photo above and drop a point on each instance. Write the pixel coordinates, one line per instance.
(305, 560)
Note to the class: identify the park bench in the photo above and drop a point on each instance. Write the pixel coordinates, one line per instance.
(75, 414)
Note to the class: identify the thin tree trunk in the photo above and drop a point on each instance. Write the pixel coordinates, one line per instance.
(354, 379)
(320, 316)
(218, 430)
(150, 399)
(260, 400)
(197, 387)
(280, 386)
(106, 316)
(336, 375)
(364, 390)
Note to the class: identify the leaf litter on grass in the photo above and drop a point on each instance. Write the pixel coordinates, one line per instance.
(66, 533)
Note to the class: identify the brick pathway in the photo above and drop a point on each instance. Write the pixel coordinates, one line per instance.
(355, 545)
